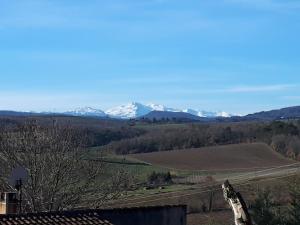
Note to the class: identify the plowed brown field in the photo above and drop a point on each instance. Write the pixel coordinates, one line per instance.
(228, 157)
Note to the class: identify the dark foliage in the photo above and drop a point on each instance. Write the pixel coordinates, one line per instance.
(282, 136)
(294, 209)
(96, 131)
(125, 137)
(266, 211)
(263, 209)
(156, 179)
(157, 116)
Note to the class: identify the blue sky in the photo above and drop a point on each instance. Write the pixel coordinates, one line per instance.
(239, 56)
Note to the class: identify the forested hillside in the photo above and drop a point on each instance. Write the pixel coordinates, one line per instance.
(96, 132)
(281, 136)
(127, 137)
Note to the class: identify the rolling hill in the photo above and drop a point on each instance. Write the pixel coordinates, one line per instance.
(179, 116)
(228, 157)
(284, 113)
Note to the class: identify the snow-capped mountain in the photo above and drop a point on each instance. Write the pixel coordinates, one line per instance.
(224, 114)
(131, 110)
(193, 112)
(86, 111)
(135, 110)
(157, 107)
(202, 113)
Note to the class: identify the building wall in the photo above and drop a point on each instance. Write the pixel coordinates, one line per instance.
(2, 208)
(160, 215)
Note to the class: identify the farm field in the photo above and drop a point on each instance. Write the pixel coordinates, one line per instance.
(249, 167)
(198, 195)
(218, 158)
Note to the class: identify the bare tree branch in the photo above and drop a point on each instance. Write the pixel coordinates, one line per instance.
(60, 176)
(236, 202)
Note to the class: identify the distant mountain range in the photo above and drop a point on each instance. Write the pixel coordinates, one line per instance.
(86, 111)
(179, 116)
(136, 110)
(284, 113)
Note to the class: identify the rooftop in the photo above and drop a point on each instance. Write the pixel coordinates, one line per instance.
(174, 215)
(65, 217)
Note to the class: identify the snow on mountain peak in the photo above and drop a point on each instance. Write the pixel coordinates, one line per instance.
(202, 113)
(135, 110)
(131, 110)
(86, 111)
(158, 107)
(191, 111)
(224, 114)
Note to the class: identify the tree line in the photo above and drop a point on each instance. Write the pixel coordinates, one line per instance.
(282, 136)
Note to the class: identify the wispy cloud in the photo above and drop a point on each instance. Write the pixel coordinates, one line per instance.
(240, 89)
(244, 89)
(269, 5)
(292, 97)
(121, 19)
(263, 88)
(191, 92)
(94, 15)
(254, 64)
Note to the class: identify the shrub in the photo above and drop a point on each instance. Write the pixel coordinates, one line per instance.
(159, 178)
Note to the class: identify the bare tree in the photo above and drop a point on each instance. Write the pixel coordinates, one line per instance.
(60, 176)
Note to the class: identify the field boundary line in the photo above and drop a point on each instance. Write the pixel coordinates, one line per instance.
(233, 179)
(204, 191)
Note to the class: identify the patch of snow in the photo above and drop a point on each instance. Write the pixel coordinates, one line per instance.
(131, 110)
(135, 110)
(191, 111)
(202, 113)
(86, 111)
(158, 107)
(224, 114)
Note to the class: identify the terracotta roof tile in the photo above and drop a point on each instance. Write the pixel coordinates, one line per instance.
(58, 218)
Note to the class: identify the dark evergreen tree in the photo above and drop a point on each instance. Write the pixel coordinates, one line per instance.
(263, 209)
(294, 209)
